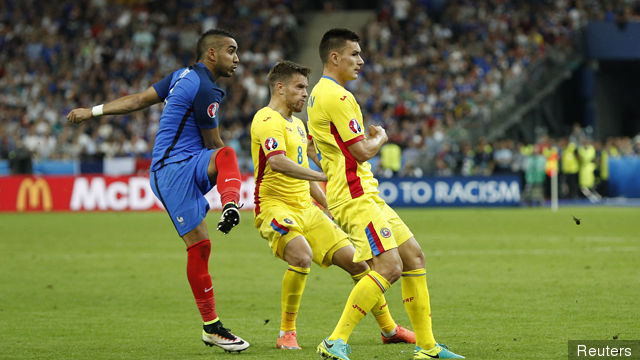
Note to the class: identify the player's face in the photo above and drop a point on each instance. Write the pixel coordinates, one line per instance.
(227, 58)
(295, 92)
(349, 61)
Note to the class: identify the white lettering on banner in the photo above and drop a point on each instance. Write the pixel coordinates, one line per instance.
(474, 192)
(388, 191)
(117, 195)
(135, 194)
(471, 192)
(416, 192)
(88, 197)
(140, 195)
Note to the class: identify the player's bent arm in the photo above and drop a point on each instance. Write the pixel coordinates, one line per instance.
(319, 196)
(282, 164)
(366, 149)
(211, 138)
(122, 105)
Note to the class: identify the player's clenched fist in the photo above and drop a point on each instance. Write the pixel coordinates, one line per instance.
(378, 131)
(79, 115)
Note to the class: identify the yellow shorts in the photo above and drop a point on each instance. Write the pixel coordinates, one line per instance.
(279, 224)
(372, 225)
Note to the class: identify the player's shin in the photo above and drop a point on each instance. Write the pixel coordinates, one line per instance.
(415, 297)
(293, 284)
(380, 310)
(363, 297)
(228, 178)
(200, 280)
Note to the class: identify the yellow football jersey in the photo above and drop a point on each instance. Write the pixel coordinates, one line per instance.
(335, 122)
(272, 134)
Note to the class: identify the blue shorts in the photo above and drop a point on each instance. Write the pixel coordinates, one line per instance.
(181, 187)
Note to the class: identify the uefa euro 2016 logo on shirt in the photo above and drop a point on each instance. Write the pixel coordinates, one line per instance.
(385, 232)
(271, 144)
(354, 126)
(212, 110)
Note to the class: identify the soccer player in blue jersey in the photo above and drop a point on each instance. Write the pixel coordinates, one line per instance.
(189, 158)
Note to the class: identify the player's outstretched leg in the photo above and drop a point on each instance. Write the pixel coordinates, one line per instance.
(215, 334)
(228, 184)
(415, 295)
(390, 331)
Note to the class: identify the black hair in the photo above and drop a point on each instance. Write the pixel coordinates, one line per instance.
(335, 39)
(204, 42)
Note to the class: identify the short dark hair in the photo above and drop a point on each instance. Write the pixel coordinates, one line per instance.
(283, 70)
(205, 42)
(335, 39)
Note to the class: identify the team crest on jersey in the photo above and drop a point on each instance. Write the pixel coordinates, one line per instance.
(271, 144)
(301, 132)
(212, 110)
(288, 221)
(354, 126)
(385, 232)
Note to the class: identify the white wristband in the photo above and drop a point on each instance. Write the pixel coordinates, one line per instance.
(97, 110)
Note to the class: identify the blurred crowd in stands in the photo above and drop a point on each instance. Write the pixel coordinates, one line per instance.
(55, 56)
(430, 65)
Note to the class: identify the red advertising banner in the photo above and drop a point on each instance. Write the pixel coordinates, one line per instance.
(92, 193)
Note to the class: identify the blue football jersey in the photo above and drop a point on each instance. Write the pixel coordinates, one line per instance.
(191, 102)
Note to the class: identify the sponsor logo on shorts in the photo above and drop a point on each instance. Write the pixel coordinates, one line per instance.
(288, 221)
(180, 219)
(354, 126)
(271, 144)
(212, 110)
(385, 232)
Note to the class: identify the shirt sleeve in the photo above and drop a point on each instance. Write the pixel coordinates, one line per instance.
(346, 119)
(206, 106)
(270, 134)
(162, 87)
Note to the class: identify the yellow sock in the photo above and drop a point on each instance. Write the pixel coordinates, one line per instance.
(362, 298)
(380, 310)
(415, 297)
(292, 288)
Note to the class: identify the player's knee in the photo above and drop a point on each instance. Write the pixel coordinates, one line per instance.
(412, 255)
(414, 261)
(357, 268)
(225, 154)
(301, 259)
(390, 271)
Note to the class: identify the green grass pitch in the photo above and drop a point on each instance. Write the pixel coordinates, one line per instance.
(504, 284)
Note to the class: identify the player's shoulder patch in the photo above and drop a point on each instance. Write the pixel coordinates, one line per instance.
(354, 126)
(212, 110)
(271, 144)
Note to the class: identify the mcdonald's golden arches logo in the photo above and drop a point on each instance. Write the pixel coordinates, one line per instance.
(36, 190)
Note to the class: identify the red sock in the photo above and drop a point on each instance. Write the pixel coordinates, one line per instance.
(228, 180)
(200, 280)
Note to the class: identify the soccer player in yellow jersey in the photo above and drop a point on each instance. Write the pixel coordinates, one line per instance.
(380, 237)
(298, 232)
